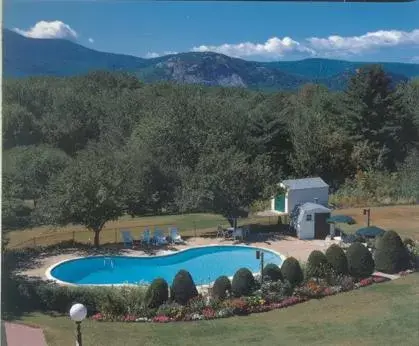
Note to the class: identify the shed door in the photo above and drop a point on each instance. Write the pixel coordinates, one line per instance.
(280, 203)
(321, 227)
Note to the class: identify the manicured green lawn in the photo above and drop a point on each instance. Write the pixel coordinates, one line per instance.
(382, 314)
(403, 219)
(188, 225)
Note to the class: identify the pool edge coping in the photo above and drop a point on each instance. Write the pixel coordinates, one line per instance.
(50, 277)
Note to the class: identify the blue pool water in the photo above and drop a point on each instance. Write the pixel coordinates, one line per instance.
(204, 263)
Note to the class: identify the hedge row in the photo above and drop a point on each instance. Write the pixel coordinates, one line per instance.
(391, 256)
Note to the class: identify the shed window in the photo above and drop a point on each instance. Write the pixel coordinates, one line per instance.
(308, 217)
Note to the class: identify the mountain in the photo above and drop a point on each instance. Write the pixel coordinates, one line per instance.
(55, 57)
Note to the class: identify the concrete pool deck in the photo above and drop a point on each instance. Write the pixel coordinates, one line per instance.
(285, 245)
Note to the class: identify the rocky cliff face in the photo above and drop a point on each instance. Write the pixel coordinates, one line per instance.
(25, 57)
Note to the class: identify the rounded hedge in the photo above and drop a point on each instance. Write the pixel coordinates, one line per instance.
(391, 255)
(360, 261)
(220, 288)
(292, 272)
(337, 259)
(273, 272)
(316, 264)
(183, 288)
(243, 283)
(157, 293)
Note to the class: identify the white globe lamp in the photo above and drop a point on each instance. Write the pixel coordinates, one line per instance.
(78, 313)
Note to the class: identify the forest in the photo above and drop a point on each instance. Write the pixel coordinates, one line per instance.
(88, 149)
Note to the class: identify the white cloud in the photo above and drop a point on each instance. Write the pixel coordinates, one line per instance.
(273, 47)
(151, 55)
(340, 45)
(53, 29)
(91, 40)
(334, 45)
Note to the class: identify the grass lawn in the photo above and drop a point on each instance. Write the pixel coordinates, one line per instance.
(381, 314)
(188, 225)
(403, 219)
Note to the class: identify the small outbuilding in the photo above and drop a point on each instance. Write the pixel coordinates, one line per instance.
(299, 191)
(310, 221)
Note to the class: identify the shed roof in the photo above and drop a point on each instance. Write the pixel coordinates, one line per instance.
(306, 183)
(314, 206)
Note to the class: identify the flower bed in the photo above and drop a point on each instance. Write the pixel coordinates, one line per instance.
(206, 308)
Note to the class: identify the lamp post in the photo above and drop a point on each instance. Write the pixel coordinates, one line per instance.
(78, 313)
(367, 212)
(260, 256)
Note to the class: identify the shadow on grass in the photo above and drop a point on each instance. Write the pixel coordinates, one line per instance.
(259, 233)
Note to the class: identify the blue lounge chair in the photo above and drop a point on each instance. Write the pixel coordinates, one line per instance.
(127, 238)
(146, 237)
(175, 236)
(159, 238)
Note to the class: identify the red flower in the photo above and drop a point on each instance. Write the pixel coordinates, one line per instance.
(129, 318)
(208, 313)
(98, 317)
(366, 282)
(161, 319)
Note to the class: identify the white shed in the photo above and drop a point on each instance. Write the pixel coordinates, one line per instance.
(310, 221)
(299, 191)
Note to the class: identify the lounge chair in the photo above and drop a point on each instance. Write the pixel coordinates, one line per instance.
(238, 234)
(127, 238)
(222, 233)
(146, 239)
(159, 238)
(246, 231)
(175, 237)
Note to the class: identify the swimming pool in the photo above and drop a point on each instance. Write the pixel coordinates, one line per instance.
(205, 264)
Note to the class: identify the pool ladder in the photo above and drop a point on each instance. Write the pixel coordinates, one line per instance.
(108, 262)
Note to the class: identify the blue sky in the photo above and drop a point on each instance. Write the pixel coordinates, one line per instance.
(253, 31)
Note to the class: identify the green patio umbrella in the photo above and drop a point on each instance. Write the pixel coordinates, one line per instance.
(341, 219)
(370, 232)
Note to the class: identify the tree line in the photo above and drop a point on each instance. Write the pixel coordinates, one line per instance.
(91, 148)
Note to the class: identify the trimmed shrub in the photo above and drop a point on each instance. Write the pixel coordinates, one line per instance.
(221, 286)
(243, 283)
(273, 272)
(391, 255)
(317, 265)
(337, 259)
(360, 261)
(291, 271)
(157, 293)
(183, 288)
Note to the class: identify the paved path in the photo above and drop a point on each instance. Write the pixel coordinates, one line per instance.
(20, 335)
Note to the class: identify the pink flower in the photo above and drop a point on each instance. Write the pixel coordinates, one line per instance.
(366, 282)
(97, 317)
(161, 319)
(208, 313)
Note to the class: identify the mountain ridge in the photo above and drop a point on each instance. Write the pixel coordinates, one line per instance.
(24, 57)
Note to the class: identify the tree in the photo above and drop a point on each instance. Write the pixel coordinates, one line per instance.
(19, 126)
(409, 176)
(320, 149)
(31, 168)
(375, 113)
(224, 182)
(90, 192)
